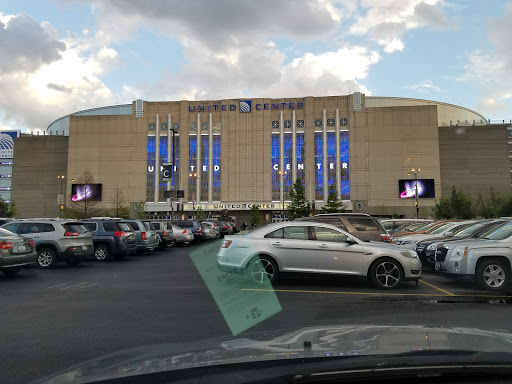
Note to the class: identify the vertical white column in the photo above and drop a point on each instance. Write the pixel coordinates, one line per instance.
(198, 159)
(338, 162)
(324, 152)
(281, 156)
(169, 148)
(157, 158)
(294, 149)
(210, 161)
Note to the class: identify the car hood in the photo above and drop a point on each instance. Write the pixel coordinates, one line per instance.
(476, 243)
(310, 342)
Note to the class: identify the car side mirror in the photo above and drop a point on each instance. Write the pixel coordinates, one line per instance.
(350, 240)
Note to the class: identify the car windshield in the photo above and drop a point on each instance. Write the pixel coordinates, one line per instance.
(469, 229)
(294, 190)
(124, 227)
(5, 232)
(501, 233)
(439, 229)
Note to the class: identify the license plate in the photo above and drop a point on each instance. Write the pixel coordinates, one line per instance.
(438, 265)
(22, 248)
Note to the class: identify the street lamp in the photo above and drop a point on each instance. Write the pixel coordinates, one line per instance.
(281, 174)
(415, 172)
(61, 178)
(193, 175)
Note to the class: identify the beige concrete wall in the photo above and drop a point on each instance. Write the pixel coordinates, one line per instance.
(114, 150)
(38, 162)
(474, 159)
(385, 144)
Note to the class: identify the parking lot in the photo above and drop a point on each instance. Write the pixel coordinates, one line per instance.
(53, 319)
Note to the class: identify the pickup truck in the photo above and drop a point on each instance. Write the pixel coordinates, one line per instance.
(488, 259)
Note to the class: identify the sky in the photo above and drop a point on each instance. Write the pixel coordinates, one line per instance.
(62, 56)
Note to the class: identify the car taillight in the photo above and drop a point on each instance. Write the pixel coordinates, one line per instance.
(5, 245)
(184, 231)
(143, 236)
(120, 234)
(163, 233)
(71, 234)
(198, 230)
(384, 237)
(226, 243)
(31, 242)
(225, 227)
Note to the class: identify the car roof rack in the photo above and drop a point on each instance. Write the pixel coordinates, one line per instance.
(341, 214)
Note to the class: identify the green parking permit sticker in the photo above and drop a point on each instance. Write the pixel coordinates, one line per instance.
(241, 308)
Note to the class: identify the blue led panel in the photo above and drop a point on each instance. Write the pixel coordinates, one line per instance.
(288, 156)
(301, 158)
(331, 158)
(192, 147)
(150, 184)
(344, 158)
(275, 167)
(216, 168)
(319, 177)
(205, 161)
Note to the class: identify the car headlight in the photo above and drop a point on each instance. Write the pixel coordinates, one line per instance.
(460, 251)
(432, 246)
(411, 255)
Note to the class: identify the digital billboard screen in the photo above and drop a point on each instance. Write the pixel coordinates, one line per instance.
(83, 192)
(407, 188)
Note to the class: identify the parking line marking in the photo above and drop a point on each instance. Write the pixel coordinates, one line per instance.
(375, 293)
(438, 288)
(85, 286)
(76, 285)
(58, 285)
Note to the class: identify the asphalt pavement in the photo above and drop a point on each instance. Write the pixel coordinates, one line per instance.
(53, 319)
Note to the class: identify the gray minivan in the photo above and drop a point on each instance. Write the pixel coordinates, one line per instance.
(147, 239)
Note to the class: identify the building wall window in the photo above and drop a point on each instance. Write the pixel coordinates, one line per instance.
(301, 158)
(331, 158)
(205, 162)
(288, 156)
(344, 159)
(150, 181)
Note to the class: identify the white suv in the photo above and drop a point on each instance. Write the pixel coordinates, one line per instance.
(55, 239)
(488, 259)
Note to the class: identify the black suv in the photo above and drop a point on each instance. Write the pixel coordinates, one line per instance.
(111, 238)
(362, 226)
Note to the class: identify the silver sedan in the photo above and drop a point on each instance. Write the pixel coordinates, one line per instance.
(315, 248)
(182, 235)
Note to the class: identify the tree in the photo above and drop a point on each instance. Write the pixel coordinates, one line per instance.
(457, 205)
(299, 207)
(120, 208)
(88, 206)
(255, 215)
(7, 209)
(334, 203)
(200, 215)
(139, 210)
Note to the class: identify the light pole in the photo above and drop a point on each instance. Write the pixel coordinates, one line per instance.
(194, 175)
(415, 172)
(61, 196)
(281, 174)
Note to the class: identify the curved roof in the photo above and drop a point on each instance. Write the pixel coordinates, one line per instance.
(447, 114)
(62, 123)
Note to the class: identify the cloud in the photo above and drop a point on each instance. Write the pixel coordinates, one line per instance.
(425, 87)
(216, 23)
(60, 76)
(492, 69)
(386, 21)
(26, 45)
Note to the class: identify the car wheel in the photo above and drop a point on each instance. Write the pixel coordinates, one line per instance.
(74, 261)
(11, 271)
(101, 252)
(492, 275)
(386, 274)
(46, 258)
(263, 270)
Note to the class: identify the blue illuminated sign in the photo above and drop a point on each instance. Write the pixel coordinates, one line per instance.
(245, 106)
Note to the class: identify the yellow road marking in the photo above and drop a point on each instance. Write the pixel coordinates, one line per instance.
(374, 293)
(436, 287)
